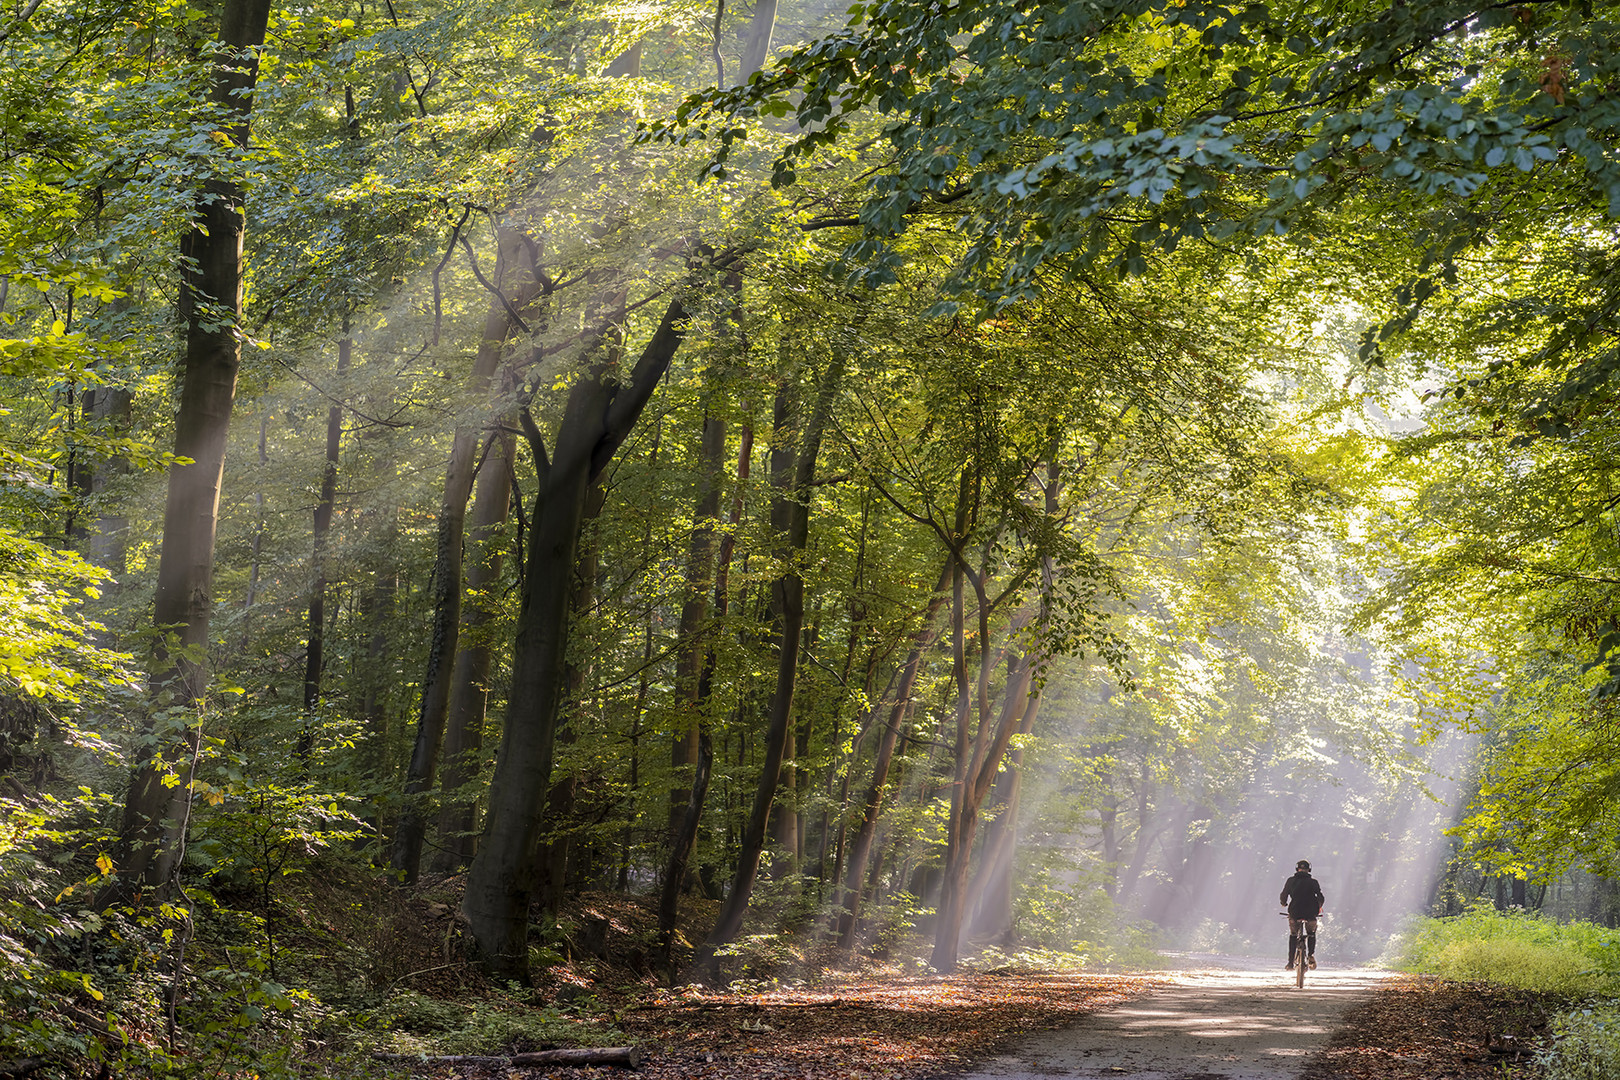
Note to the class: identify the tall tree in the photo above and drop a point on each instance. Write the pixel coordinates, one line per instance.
(156, 811)
(449, 548)
(599, 414)
(787, 598)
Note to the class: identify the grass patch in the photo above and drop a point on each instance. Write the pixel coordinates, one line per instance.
(1518, 949)
(418, 1024)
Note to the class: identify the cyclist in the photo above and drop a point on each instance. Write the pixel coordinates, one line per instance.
(1303, 898)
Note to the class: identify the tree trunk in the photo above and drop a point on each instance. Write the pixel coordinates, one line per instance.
(597, 417)
(681, 845)
(974, 786)
(110, 409)
(689, 660)
(1144, 815)
(861, 845)
(993, 885)
(553, 859)
(788, 598)
(784, 821)
(757, 43)
(469, 681)
(314, 653)
(992, 888)
(156, 813)
(447, 583)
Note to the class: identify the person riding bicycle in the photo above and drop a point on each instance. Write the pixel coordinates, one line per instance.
(1303, 898)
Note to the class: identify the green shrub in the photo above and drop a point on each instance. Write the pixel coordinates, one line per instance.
(1586, 1045)
(1519, 949)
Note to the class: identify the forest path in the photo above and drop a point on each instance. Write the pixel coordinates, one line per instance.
(1243, 1022)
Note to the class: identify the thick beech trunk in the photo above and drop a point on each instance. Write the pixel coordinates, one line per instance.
(469, 680)
(552, 862)
(155, 812)
(788, 599)
(447, 583)
(597, 417)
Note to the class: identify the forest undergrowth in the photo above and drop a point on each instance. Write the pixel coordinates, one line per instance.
(1514, 986)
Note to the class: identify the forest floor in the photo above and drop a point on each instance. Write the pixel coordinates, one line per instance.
(1203, 1025)
(1215, 1018)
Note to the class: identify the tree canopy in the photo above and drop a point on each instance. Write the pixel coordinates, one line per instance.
(922, 480)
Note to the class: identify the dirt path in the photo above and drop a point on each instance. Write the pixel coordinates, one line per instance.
(1218, 1023)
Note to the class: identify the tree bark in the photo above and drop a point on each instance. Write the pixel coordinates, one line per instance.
(689, 659)
(468, 703)
(685, 838)
(784, 821)
(447, 584)
(376, 616)
(156, 813)
(757, 43)
(974, 785)
(315, 649)
(992, 889)
(860, 846)
(598, 416)
(788, 597)
(553, 860)
(110, 408)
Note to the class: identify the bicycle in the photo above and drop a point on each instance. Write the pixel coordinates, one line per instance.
(1301, 955)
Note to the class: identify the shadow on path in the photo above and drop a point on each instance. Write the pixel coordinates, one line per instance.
(1230, 1020)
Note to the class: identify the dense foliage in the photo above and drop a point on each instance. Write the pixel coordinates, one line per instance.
(994, 480)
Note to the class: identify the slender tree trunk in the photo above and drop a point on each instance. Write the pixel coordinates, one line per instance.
(257, 551)
(315, 650)
(1144, 816)
(596, 419)
(469, 681)
(447, 583)
(681, 845)
(689, 659)
(788, 595)
(156, 813)
(376, 615)
(992, 889)
(861, 845)
(1108, 826)
(110, 409)
(784, 822)
(974, 787)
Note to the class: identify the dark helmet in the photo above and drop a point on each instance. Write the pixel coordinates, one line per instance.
(1304, 865)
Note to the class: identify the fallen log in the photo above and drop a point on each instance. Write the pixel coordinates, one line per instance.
(628, 1056)
(22, 1066)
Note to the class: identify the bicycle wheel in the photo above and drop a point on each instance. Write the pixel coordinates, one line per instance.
(1299, 964)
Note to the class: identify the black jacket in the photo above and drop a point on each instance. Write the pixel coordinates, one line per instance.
(1303, 896)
